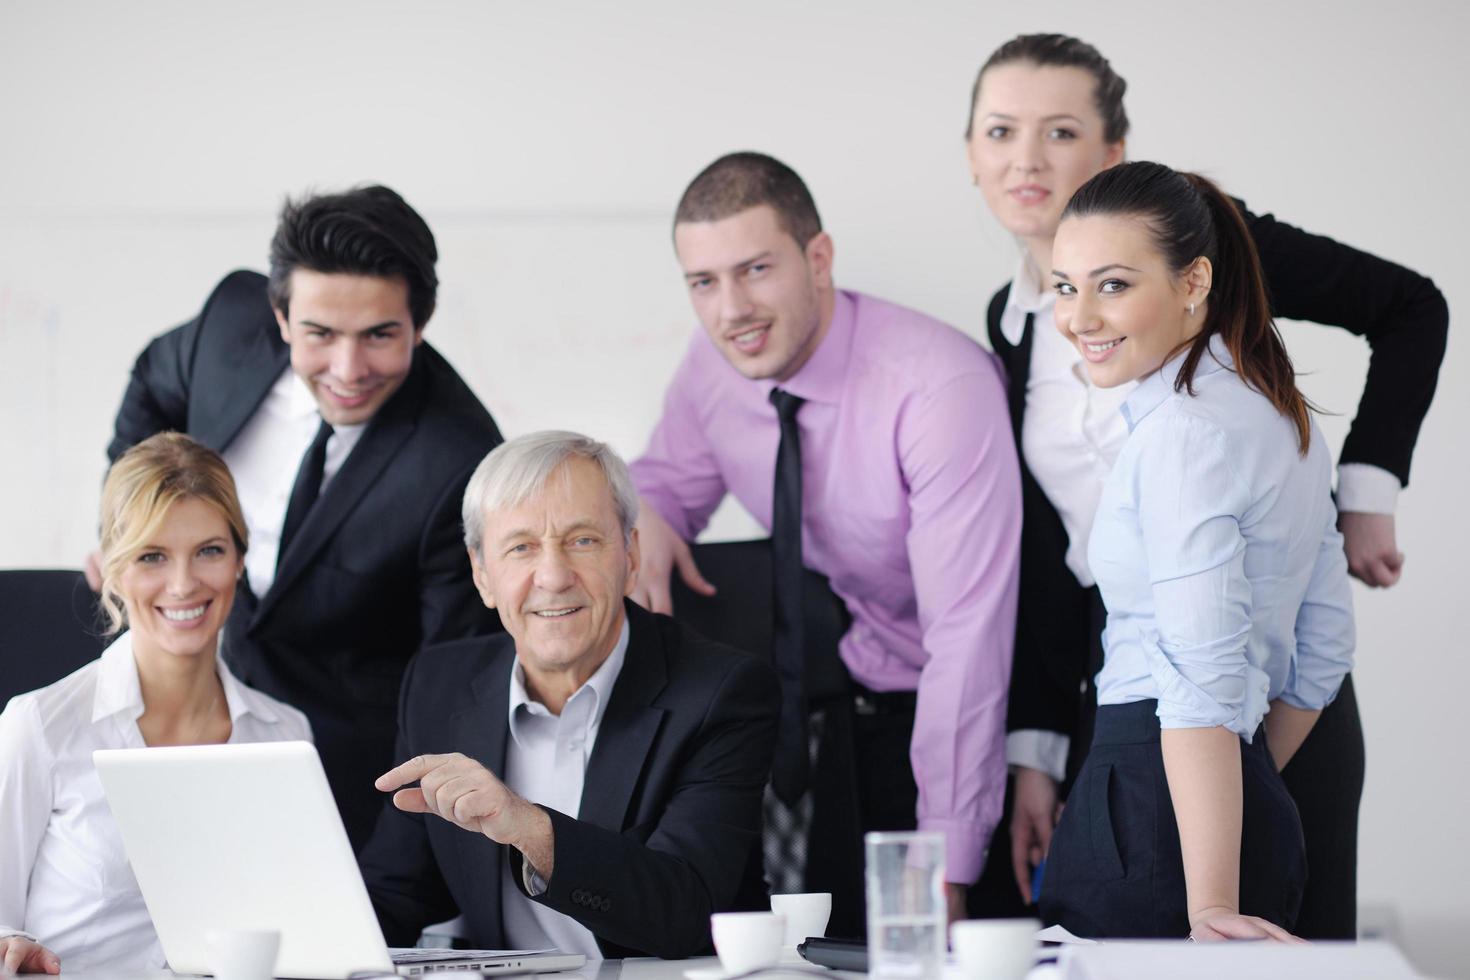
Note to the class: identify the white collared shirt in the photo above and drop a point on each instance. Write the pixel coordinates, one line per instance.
(546, 763)
(264, 459)
(64, 876)
(1072, 431)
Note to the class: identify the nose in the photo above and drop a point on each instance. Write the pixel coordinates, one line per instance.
(735, 304)
(181, 579)
(1081, 316)
(349, 361)
(553, 571)
(1029, 157)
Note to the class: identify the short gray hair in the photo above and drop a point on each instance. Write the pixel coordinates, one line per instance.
(515, 470)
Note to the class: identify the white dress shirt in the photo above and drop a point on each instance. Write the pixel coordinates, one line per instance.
(546, 763)
(1071, 435)
(264, 459)
(65, 880)
(1217, 552)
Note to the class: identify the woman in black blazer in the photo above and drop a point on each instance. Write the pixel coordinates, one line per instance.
(1046, 115)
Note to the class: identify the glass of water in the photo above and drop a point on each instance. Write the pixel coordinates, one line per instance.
(906, 909)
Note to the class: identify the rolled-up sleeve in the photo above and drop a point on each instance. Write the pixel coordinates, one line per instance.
(1190, 505)
(1325, 634)
(959, 460)
(678, 475)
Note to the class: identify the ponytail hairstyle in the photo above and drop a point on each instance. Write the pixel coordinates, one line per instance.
(1190, 217)
(1061, 51)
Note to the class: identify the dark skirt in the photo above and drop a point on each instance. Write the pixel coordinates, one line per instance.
(1114, 868)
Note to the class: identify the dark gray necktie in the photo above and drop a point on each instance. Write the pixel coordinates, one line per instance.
(792, 763)
(306, 489)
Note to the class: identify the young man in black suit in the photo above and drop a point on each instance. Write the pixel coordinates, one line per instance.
(350, 440)
(593, 780)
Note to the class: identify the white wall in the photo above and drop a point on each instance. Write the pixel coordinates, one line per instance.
(145, 147)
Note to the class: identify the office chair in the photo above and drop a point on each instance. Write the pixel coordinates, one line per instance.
(49, 626)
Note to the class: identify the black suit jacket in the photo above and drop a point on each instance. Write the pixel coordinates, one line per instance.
(379, 567)
(669, 827)
(1310, 277)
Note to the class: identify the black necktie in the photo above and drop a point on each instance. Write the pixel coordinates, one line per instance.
(306, 488)
(789, 774)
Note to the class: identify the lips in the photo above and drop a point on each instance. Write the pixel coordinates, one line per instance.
(1029, 194)
(561, 613)
(749, 339)
(1097, 351)
(184, 617)
(347, 399)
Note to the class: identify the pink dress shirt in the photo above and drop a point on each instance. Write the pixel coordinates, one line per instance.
(911, 507)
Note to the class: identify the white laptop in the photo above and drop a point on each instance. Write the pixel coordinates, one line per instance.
(248, 837)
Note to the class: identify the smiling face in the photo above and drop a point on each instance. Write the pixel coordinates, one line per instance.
(1035, 138)
(557, 568)
(1119, 301)
(179, 588)
(352, 339)
(764, 300)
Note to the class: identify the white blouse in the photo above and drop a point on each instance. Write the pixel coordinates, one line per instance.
(64, 876)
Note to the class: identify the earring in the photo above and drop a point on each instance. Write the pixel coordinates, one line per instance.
(975, 179)
(1191, 309)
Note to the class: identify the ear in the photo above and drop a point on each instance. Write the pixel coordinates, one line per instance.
(1116, 153)
(1197, 280)
(635, 562)
(284, 324)
(819, 259)
(482, 580)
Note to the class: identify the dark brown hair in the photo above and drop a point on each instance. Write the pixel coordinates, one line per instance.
(366, 231)
(1061, 51)
(1189, 217)
(739, 181)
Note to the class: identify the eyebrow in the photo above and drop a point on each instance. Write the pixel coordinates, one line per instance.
(744, 263)
(1098, 271)
(1052, 118)
(217, 539)
(377, 326)
(586, 524)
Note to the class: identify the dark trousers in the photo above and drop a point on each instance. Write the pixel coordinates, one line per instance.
(862, 781)
(1115, 870)
(1325, 778)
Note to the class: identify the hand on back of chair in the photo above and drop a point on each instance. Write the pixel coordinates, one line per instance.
(662, 551)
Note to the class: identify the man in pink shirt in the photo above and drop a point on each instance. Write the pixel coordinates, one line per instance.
(885, 433)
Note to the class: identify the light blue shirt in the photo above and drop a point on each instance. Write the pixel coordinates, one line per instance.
(546, 762)
(1217, 552)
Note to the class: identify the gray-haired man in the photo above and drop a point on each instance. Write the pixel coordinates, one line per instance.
(592, 781)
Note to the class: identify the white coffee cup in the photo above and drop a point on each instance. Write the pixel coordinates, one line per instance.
(747, 940)
(242, 954)
(994, 949)
(806, 915)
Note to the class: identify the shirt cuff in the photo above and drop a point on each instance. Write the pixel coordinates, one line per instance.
(535, 884)
(1366, 489)
(966, 842)
(1036, 748)
(12, 933)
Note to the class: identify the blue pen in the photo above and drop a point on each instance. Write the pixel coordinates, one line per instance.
(1036, 881)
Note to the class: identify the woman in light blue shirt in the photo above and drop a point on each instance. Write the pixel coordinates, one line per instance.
(1215, 547)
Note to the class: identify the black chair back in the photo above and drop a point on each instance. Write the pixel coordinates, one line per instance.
(741, 613)
(49, 626)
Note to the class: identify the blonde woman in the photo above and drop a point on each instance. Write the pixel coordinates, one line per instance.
(173, 546)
